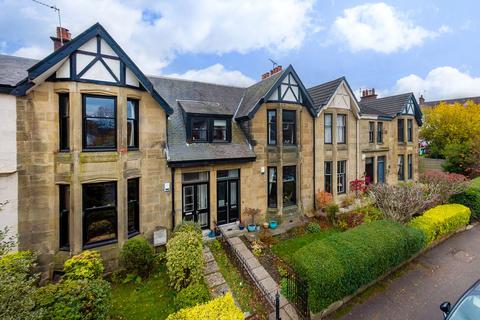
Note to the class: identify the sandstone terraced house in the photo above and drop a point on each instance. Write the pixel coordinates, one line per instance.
(94, 152)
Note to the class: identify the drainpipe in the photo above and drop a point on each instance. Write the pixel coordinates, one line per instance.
(358, 147)
(173, 197)
(314, 162)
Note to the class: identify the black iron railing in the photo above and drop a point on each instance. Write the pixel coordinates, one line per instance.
(295, 289)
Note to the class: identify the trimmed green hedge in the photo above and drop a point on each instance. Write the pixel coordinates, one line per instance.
(469, 198)
(337, 266)
(441, 220)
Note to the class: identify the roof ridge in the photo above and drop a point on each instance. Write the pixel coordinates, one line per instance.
(197, 81)
(327, 82)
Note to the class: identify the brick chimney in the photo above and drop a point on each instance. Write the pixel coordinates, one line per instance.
(270, 73)
(368, 94)
(62, 35)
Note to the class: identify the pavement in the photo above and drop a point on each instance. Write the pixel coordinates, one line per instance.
(442, 274)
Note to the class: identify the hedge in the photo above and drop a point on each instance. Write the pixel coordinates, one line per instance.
(469, 198)
(441, 220)
(337, 266)
(222, 308)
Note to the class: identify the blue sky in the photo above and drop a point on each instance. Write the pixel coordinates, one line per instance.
(428, 47)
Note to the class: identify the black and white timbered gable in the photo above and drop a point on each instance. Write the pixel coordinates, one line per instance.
(93, 57)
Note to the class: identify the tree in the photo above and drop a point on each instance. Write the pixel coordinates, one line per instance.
(447, 125)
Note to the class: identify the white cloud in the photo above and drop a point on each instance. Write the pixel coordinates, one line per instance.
(381, 28)
(173, 27)
(440, 83)
(216, 74)
(33, 52)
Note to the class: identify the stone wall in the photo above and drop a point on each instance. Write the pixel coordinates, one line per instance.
(42, 167)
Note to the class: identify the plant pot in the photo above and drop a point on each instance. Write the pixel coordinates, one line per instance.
(273, 224)
(251, 227)
(258, 228)
(211, 234)
(241, 227)
(265, 225)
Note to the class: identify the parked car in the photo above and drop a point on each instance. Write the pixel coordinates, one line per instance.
(466, 308)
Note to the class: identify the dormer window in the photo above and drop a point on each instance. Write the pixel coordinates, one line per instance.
(208, 129)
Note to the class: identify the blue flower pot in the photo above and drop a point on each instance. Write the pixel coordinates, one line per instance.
(211, 234)
(272, 224)
(251, 227)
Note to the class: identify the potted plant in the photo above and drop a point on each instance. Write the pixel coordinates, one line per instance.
(265, 225)
(273, 224)
(251, 212)
(241, 226)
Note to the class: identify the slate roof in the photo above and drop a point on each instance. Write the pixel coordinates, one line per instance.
(322, 93)
(204, 107)
(451, 101)
(14, 69)
(174, 90)
(254, 93)
(388, 106)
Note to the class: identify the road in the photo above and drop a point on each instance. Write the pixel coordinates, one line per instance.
(441, 274)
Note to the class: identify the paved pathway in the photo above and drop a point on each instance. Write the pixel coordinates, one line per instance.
(441, 274)
(267, 285)
(213, 278)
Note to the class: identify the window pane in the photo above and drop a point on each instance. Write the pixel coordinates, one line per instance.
(328, 176)
(272, 187)
(341, 176)
(328, 128)
(199, 129)
(100, 213)
(188, 198)
(371, 132)
(272, 127)
(219, 130)
(288, 119)
(379, 132)
(64, 111)
(133, 205)
(401, 174)
(64, 206)
(100, 133)
(132, 106)
(341, 119)
(233, 193)
(289, 186)
(202, 196)
(99, 107)
(400, 129)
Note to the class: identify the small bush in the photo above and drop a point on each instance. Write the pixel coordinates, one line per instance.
(266, 237)
(313, 227)
(441, 220)
(184, 259)
(323, 199)
(194, 294)
(187, 226)
(443, 184)
(351, 220)
(222, 308)
(469, 198)
(83, 299)
(338, 265)
(348, 200)
(17, 286)
(332, 210)
(138, 257)
(86, 265)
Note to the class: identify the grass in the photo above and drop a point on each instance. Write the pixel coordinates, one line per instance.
(242, 291)
(286, 248)
(151, 299)
(475, 183)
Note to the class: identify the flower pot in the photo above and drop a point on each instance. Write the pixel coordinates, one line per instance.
(211, 234)
(265, 225)
(251, 227)
(273, 224)
(258, 228)
(241, 226)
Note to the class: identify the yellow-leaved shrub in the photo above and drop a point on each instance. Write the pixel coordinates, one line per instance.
(222, 308)
(441, 220)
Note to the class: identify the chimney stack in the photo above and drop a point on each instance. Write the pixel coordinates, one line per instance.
(270, 73)
(368, 94)
(62, 36)
(421, 100)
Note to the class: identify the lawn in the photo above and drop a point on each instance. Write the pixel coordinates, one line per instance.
(242, 291)
(286, 248)
(151, 299)
(475, 183)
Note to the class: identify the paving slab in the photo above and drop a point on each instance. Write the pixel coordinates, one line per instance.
(208, 257)
(269, 284)
(252, 263)
(234, 241)
(260, 273)
(214, 279)
(290, 310)
(211, 267)
(220, 290)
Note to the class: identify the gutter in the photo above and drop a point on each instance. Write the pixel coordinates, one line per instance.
(314, 163)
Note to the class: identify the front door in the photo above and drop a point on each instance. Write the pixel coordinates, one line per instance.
(195, 203)
(227, 196)
(381, 169)
(369, 170)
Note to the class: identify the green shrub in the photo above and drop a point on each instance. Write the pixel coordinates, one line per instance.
(313, 227)
(441, 220)
(469, 198)
(17, 286)
(338, 265)
(196, 293)
(222, 308)
(332, 210)
(138, 257)
(86, 265)
(184, 259)
(187, 226)
(75, 300)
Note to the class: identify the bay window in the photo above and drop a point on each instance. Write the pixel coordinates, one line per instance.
(133, 203)
(272, 187)
(289, 127)
(328, 128)
(409, 130)
(289, 186)
(328, 176)
(410, 166)
(401, 167)
(132, 124)
(341, 128)
(272, 127)
(341, 176)
(64, 116)
(64, 212)
(401, 130)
